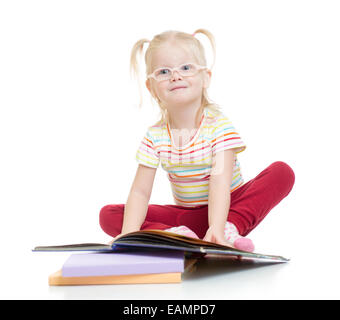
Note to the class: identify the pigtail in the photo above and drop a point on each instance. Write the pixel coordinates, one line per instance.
(134, 68)
(211, 38)
(206, 101)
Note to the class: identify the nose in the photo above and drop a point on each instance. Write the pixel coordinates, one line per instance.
(175, 75)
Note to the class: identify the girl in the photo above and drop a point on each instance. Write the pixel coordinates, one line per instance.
(197, 145)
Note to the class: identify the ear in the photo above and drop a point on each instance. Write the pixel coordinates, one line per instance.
(207, 79)
(148, 85)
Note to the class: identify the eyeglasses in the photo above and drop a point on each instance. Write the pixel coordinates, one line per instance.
(185, 70)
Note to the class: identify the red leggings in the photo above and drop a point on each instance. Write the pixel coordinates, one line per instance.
(249, 204)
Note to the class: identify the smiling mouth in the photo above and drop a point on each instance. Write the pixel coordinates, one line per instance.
(178, 88)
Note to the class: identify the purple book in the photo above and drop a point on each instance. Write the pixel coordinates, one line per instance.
(122, 263)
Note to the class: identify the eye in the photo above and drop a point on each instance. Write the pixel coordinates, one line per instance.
(186, 67)
(162, 71)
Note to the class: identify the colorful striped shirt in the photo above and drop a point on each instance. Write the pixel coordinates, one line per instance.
(189, 165)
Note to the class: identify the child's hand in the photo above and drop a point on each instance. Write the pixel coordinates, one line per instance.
(121, 234)
(115, 238)
(216, 235)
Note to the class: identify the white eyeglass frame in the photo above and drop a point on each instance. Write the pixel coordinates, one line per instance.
(198, 67)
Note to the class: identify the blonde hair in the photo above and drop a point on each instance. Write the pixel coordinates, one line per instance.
(196, 49)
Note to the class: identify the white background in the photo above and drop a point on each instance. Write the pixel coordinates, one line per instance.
(70, 127)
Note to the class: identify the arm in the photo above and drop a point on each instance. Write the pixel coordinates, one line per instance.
(219, 195)
(136, 206)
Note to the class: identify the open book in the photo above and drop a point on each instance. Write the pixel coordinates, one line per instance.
(158, 239)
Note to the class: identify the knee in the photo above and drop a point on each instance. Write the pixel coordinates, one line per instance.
(103, 216)
(103, 213)
(110, 213)
(284, 174)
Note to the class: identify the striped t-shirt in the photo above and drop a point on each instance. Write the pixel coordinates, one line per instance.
(189, 166)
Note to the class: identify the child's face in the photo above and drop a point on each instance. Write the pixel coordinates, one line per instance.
(173, 55)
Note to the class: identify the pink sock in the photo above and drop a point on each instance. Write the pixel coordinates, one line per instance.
(231, 234)
(184, 231)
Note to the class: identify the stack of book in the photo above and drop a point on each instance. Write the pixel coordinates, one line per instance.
(122, 268)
